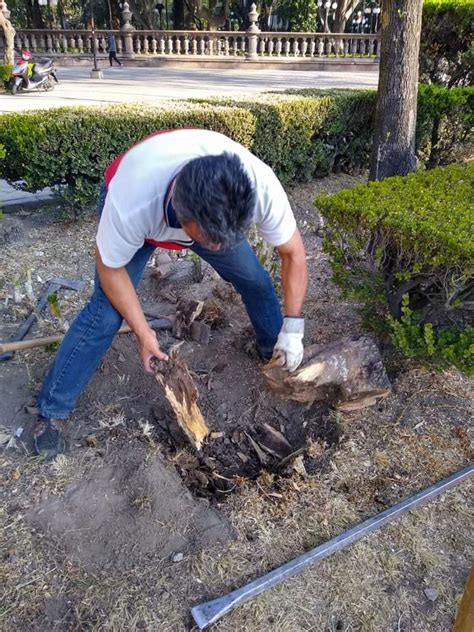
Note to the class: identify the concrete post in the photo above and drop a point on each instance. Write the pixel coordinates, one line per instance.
(252, 33)
(127, 30)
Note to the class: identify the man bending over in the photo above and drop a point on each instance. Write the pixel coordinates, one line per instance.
(185, 188)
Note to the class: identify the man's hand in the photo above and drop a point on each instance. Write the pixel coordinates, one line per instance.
(149, 348)
(289, 346)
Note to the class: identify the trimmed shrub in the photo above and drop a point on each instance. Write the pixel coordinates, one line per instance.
(300, 136)
(444, 124)
(447, 43)
(73, 146)
(312, 133)
(5, 73)
(404, 248)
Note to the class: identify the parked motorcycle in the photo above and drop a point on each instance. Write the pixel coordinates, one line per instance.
(27, 76)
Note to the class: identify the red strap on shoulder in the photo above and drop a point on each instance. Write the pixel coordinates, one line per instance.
(168, 245)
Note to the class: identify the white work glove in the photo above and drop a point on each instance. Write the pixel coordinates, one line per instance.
(289, 346)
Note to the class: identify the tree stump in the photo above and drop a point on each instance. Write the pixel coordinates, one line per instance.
(182, 394)
(347, 373)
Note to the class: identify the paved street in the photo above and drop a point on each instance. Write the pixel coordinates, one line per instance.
(147, 85)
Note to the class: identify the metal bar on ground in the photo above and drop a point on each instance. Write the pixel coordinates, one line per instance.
(208, 613)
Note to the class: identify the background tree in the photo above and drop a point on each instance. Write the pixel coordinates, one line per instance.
(301, 14)
(35, 17)
(393, 150)
(8, 36)
(178, 14)
(345, 8)
(144, 15)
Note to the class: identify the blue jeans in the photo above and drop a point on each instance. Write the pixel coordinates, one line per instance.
(93, 330)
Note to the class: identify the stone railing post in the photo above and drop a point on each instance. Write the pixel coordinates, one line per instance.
(127, 30)
(252, 33)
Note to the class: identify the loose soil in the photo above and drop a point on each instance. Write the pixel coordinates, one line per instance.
(89, 541)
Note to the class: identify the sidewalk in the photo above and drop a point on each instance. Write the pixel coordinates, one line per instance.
(154, 85)
(12, 199)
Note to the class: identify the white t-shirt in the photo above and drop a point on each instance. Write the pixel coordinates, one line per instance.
(134, 206)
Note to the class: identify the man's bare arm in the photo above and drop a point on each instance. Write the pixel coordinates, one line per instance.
(294, 274)
(119, 289)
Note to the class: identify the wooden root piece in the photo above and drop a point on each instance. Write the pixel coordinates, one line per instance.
(347, 373)
(186, 313)
(182, 394)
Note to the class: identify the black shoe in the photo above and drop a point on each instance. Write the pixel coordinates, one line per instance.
(48, 436)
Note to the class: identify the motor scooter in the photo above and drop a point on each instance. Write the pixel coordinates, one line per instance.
(27, 76)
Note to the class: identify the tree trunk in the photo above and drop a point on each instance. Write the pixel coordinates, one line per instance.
(347, 373)
(226, 14)
(9, 39)
(115, 15)
(179, 13)
(345, 8)
(393, 151)
(34, 15)
(62, 18)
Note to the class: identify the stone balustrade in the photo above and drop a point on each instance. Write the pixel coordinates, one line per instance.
(204, 43)
(252, 44)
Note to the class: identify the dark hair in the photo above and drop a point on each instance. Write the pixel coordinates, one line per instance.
(216, 192)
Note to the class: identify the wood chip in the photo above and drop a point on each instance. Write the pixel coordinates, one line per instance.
(201, 477)
(236, 437)
(91, 441)
(274, 442)
(262, 457)
(216, 435)
(298, 466)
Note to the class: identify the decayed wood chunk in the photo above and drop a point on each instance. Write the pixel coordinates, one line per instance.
(186, 312)
(182, 394)
(347, 373)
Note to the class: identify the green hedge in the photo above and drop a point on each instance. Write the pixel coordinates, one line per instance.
(444, 124)
(447, 43)
(444, 127)
(300, 136)
(5, 73)
(404, 248)
(73, 146)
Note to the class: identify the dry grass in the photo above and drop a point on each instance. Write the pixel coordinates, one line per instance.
(375, 585)
(418, 435)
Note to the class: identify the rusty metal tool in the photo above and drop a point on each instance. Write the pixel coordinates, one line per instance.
(51, 287)
(208, 613)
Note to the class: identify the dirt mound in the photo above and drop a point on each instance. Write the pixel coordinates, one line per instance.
(131, 510)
